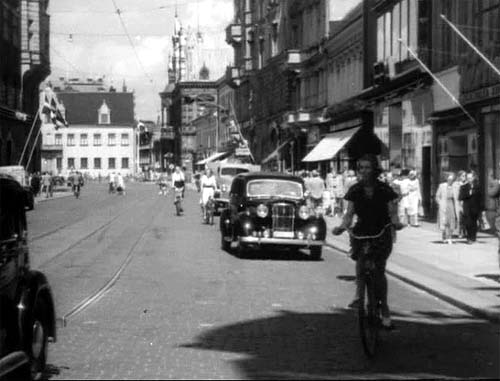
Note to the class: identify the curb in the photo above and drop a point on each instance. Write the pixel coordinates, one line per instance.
(480, 313)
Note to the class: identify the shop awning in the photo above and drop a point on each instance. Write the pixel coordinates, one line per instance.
(330, 145)
(274, 154)
(213, 157)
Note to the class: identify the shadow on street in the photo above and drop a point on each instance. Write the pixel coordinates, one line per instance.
(327, 345)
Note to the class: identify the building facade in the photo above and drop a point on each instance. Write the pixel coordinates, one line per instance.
(24, 47)
(101, 137)
(466, 135)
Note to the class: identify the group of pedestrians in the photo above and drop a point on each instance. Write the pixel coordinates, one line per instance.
(116, 183)
(459, 199)
(42, 184)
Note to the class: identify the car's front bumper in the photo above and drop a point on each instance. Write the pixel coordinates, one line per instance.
(280, 241)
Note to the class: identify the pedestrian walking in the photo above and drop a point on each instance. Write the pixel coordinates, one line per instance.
(446, 200)
(316, 189)
(330, 187)
(470, 195)
(46, 182)
(120, 183)
(414, 198)
(404, 203)
(491, 205)
(459, 181)
(111, 182)
(35, 183)
(494, 193)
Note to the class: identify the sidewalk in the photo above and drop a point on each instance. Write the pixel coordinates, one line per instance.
(59, 193)
(466, 276)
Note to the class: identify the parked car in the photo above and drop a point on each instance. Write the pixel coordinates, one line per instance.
(58, 180)
(27, 314)
(270, 210)
(224, 173)
(19, 174)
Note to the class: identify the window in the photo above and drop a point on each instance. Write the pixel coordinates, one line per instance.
(124, 141)
(71, 139)
(97, 140)
(124, 162)
(71, 163)
(97, 163)
(58, 139)
(111, 139)
(59, 163)
(84, 140)
(84, 163)
(104, 114)
(111, 163)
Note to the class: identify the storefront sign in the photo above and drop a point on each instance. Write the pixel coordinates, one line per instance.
(347, 124)
(481, 94)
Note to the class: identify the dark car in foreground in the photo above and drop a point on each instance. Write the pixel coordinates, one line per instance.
(269, 210)
(27, 315)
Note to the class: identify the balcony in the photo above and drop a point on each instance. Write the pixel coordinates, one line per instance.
(233, 76)
(52, 147)
(188, 130)
(233, 34)
(292, 60)
(167, 133)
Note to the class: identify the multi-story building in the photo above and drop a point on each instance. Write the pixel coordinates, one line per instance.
(101, 137)
(146, 131)
(25, 64)
(401, 95)
(466, 134)
(190, 100)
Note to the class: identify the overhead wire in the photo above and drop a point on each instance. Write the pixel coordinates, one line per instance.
(132, 43)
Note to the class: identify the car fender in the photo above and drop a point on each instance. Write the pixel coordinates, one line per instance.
(319, 223)
(34, 286)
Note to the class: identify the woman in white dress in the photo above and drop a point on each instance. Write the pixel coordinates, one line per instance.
(414, 198)
(208, 185)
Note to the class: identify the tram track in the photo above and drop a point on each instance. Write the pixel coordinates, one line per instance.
(95, 231)
(94, 297)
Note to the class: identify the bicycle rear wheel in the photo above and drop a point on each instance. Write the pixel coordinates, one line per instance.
(369, 324)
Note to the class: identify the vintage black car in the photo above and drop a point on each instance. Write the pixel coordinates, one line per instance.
(270, 210)
(27, 315)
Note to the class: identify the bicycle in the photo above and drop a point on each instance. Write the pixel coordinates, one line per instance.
(178, 200)
(370, 303)
(208, 211)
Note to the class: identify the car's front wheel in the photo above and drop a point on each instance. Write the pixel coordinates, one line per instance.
(316, 252)
(39, 339)
(225, 243)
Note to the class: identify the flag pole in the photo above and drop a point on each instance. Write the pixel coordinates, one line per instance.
(34, 146)
(445, 89)
(28, 138)
(468, 42)
(239, 129)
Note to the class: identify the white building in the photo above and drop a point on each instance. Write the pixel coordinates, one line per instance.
(101, 137)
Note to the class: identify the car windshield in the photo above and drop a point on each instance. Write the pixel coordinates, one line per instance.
(232, 171)
(274, 188)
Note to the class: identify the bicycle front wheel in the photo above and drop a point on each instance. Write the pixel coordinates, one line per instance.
(369, 324)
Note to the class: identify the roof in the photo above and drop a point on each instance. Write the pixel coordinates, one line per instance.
(269, 175)
(82, 108)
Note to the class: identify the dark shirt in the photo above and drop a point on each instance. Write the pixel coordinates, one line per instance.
(372, 213)
(470, 194)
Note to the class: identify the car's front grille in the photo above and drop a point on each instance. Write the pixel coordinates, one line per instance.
(283, 217)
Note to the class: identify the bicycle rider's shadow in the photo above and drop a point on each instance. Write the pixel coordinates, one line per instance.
(327, 345)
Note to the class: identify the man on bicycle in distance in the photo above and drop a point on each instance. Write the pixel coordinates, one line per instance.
(371, 201)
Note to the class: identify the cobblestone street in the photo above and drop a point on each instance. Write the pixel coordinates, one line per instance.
(183, 308)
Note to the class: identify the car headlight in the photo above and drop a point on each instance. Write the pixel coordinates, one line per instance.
(223, 188)
(304, 212)
(262, 211)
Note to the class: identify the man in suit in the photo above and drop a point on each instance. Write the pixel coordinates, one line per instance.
(494, 194)
(470, 195)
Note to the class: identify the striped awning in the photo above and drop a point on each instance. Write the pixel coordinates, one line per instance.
(330, 145)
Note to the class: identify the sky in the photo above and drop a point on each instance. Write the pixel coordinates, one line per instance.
(99, 46)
